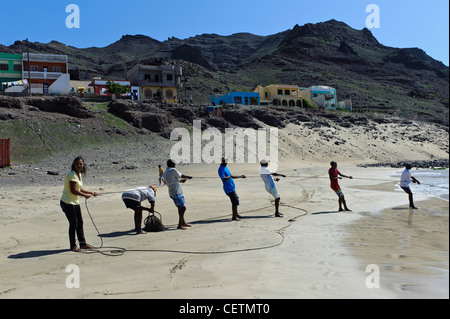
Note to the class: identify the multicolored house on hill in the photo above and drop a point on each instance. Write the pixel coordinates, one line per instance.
(45, 73)
(318, 96)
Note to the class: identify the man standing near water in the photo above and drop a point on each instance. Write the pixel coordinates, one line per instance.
(405, 180)
(335, 175)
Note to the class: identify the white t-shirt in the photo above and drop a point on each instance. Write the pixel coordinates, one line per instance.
(172, 178)
(140, 194)
(266, 176)
(405, 179)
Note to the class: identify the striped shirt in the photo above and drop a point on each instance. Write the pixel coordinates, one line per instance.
(140, 194)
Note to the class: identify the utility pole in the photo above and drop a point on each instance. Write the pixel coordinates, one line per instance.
(29, 74)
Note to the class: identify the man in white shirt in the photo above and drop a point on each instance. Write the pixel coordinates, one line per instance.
(269, 183)
(133, 199)
(405, 180)
(173, 178)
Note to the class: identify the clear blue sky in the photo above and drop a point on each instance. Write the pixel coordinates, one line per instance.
(403, 23)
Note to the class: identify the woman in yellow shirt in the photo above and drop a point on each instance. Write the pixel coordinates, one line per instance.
(71, 207)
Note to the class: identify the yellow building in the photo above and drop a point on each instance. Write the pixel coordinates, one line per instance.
(156, 82)
(317, 96)
(280, 94)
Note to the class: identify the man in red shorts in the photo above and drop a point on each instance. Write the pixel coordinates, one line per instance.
(335, 175)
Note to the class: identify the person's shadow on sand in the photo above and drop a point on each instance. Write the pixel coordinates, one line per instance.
(38, 253)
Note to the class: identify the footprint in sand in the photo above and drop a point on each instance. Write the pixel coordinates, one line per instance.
(322, 287)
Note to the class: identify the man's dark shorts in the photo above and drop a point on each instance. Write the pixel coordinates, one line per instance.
(407, 190)
(131, 204)
(234, 198)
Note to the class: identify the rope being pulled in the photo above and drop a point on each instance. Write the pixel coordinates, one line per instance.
(119, 251)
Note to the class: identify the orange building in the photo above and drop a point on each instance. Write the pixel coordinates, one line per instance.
(47, 73)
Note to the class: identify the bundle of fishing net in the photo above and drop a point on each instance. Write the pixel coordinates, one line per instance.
(153, 223)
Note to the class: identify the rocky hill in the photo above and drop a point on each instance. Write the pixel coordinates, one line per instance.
(126, 135)
(399, 81)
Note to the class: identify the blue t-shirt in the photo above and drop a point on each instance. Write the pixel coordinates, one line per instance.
(228, 186)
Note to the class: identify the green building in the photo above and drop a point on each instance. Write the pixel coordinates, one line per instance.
(10, 68)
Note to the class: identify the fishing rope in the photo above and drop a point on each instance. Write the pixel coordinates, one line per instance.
(119, 251)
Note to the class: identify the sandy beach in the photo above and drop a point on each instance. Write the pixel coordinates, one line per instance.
(313, 252)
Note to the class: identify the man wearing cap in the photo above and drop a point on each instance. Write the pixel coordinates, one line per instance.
(133, 199)
(229, 187)
(269, 182)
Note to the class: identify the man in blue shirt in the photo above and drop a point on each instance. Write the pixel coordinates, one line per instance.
(229, 187)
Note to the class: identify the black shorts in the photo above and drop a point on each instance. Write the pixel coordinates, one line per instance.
(234, 198)
(407, 190)
(131, 204)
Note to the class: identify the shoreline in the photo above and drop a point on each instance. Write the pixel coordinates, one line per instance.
(411, 250)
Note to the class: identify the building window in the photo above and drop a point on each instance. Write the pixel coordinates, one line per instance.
(237, 100)
(34, 68)
(4, 67)
(280, 92)
(169, 94)
(148, 94)
(17, 67)
(56, 69)
(147, 77)
(287, 92)
(169, 77)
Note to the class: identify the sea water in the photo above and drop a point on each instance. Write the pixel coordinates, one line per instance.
(433, 182)
(423, 270)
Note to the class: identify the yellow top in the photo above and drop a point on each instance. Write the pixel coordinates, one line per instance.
(67, 196)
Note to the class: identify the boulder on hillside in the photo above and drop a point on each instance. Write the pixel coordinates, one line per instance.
(267, 118)
(141, 115)
(69, 105)
(11, 102)
(240, 118)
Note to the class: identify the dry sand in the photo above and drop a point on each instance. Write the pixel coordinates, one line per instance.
(313, 252)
